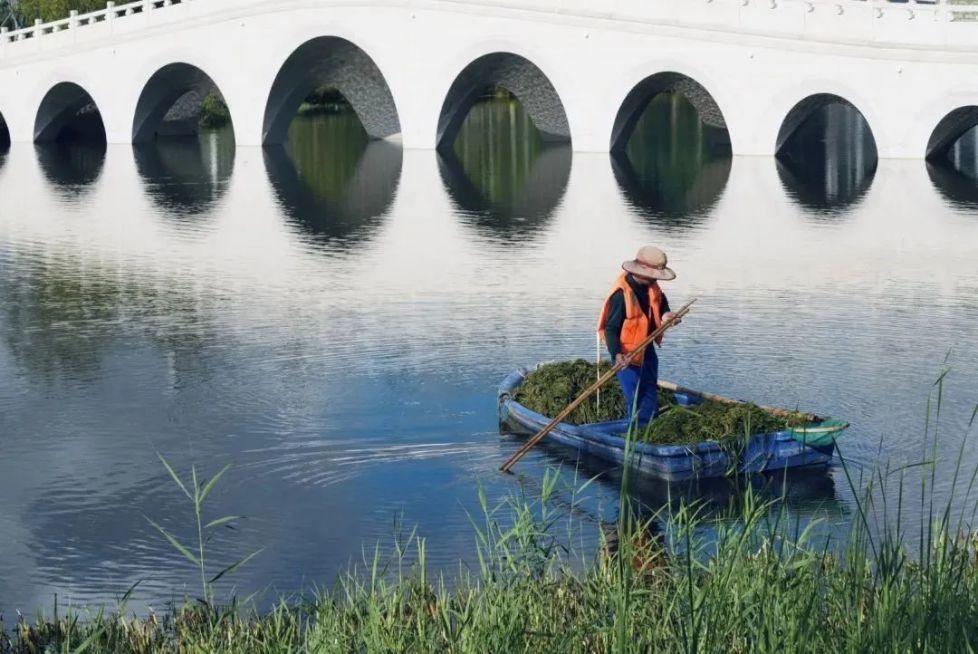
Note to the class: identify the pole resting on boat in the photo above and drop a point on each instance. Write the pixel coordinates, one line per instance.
(593, 388)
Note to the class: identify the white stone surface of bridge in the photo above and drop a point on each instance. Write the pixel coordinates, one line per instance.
(584, 69)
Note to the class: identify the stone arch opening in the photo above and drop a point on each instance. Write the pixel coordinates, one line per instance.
(514, 74)
(952, 157)
(826, 155)
(176, 101)
(949, 133)
(68, 113)
(4, 133)
(330, 65)
(639, 98)
(834, 109)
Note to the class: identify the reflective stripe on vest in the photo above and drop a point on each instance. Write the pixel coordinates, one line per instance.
(635, 329)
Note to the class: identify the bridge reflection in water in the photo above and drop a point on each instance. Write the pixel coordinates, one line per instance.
(71, 168)
(504, 181)
(333, 182)
(186, 176)
(348, 389)
(675, 167)
(955, 172)
(828, 164)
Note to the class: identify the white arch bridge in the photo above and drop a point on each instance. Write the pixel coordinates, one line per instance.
(583, 69)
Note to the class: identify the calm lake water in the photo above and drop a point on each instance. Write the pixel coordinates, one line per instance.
(333, 318)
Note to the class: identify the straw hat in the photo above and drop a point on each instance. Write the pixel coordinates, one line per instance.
(650, 262)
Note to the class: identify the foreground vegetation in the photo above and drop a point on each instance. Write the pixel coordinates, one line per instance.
(747, 578)
(758, 584)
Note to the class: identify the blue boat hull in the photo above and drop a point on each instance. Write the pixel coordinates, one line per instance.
(763, 452)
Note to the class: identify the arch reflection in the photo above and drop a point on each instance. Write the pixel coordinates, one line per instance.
(331, 180)
(503, 179)
(674, 167)
(71, 167)
(185, 177)
(826, 155)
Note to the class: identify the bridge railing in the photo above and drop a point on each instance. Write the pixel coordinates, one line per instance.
(111, 12)
(938, 10)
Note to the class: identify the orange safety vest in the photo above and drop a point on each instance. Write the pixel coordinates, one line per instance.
(635, 329)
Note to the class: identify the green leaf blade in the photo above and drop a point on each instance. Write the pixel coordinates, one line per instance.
(176, 544)
(234, 566)
(222, 521)
(174, 475)
(209, 486)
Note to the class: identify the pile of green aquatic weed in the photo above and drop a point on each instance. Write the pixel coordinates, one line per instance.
(715, 421)
(552, 386)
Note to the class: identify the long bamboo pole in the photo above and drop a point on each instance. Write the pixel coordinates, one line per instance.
(593, 388)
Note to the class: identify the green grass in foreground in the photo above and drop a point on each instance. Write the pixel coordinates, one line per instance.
(758, 583)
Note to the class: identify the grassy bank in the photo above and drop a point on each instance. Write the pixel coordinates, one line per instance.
(744, 579)
(756, 586)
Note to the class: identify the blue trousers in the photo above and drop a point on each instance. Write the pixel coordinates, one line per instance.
(641, 389)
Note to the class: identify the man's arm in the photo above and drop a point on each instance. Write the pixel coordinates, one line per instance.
(612, 327)
(665, 311)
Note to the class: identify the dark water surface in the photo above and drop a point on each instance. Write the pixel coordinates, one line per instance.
(334, 317)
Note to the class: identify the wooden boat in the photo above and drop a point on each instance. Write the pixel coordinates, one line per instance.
(810, 445)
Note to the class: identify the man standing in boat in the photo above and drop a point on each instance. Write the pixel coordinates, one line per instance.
(636, 307)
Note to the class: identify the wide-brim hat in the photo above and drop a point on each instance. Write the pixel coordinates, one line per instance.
(650, 262)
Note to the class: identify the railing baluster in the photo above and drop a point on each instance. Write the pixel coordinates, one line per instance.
(940, 10)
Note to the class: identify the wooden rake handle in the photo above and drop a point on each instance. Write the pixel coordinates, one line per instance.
(593, 388)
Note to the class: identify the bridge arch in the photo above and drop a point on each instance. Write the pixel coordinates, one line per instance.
(337, 62)
(519, 76)
(4, 132)
(68, 112)
(170, 102)
(951, 127)
(641, 95)
(826, 155)
(804, 109)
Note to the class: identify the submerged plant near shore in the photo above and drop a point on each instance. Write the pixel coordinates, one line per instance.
(552, 386)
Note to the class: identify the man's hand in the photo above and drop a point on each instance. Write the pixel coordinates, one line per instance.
(669, 314)
(621, 360)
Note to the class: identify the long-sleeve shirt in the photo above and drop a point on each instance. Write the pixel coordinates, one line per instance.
(616, 315)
